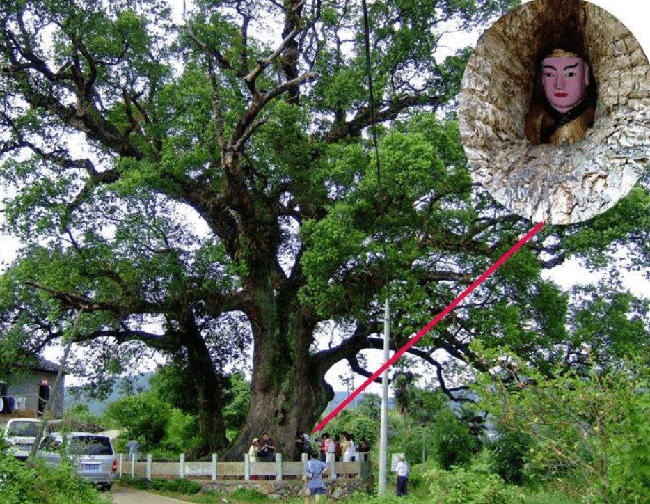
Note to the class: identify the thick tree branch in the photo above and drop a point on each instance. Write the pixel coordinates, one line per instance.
(243, 130)
(363, 118)
(325, 359)
(263, 63)
(378, 343)
(69, 300)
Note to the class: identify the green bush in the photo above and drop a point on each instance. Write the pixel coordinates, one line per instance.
(144, 416)
(509, 453)
(462, 486)
(181, 432)
(452, 443)
(22, 483)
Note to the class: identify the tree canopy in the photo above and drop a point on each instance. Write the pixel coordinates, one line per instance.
(196, 187)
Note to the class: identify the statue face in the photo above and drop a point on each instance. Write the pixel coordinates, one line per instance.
(565, 81)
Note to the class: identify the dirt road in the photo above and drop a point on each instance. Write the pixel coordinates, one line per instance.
(123, 495)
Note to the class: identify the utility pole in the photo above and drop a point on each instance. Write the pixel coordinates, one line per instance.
(383, 440)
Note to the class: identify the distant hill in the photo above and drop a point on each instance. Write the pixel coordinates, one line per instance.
(97, 407)
(141, 382)
(339, 397)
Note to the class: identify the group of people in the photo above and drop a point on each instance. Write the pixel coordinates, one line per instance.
(343, 447)
(262, 449)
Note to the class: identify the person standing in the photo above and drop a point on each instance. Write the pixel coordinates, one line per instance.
(267, 452)
(322, 448)
(331, 447)
(350, 450)
(313, 476)
(403, 472)
(133, 447)
(338, 454)
(252, 455)
(331, 455)
(363, 446)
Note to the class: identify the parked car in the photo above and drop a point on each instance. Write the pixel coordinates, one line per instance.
(20, 434)
(91, 455)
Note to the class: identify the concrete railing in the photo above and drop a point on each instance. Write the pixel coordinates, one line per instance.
(245, 470)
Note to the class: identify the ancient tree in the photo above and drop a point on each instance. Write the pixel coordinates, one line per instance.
(194, 184)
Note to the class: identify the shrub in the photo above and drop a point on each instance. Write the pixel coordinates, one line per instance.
(462, 486)
(509, 453)
(21, 483)
(145, 418)
(452, 443)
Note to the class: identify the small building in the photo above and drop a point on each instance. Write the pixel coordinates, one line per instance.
(26, 394)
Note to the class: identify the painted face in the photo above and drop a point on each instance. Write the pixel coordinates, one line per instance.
(565, 81)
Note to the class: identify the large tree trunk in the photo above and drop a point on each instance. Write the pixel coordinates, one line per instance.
(209, 386)
(288, 386)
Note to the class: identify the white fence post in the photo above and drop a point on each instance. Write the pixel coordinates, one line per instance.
(214, 467)
(121, 463)
(149, 465)
(278, 466)
(331, 460)
(247, 467)
(133, 465)
(181, 468)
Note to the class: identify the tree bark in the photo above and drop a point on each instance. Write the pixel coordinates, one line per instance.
(209, 386)
(288, 388)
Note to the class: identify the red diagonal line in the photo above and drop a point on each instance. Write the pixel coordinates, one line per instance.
(429, 326)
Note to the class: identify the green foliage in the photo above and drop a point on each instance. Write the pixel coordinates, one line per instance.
(463, 486)
(589, 428)
(180, 486)
(248, 495)
(22, 483)
(414, 441)
(452, 443)
(220, 179)
(509, 453)
(145, 418)
(238, 399)
(175, 386)
(180, 432)
(356, 422)
(370, 406)
(80, 418)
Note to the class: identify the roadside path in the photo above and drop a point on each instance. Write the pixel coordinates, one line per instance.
(123, 495)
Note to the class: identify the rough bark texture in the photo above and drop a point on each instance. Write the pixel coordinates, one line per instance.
(288, 388)
(212, 427)
(567, 183)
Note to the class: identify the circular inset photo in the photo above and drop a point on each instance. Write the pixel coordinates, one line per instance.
(555, 110)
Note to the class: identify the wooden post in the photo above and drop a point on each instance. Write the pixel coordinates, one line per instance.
(247, 467)
(181, 469)
(278, 466)
(149, 465)
(214, 467)
(133, 465)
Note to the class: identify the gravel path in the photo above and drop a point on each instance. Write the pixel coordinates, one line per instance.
(123, 495)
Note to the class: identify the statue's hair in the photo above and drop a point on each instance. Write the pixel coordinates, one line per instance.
(561, 53)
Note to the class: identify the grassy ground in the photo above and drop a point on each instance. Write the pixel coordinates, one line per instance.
(419, 493)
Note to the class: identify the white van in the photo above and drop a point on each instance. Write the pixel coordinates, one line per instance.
(20, 435)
